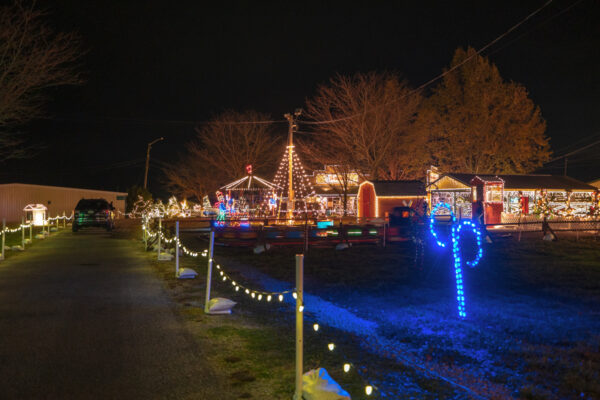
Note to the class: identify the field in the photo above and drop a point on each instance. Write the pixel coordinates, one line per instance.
(533, 326)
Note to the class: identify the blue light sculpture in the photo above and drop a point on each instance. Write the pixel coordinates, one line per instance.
(457, 229)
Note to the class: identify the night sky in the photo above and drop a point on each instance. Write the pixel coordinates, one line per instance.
(153, 68)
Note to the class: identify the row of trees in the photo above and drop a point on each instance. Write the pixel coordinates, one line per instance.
(375, 123)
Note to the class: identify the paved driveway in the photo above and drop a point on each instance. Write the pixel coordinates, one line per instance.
(82, 316)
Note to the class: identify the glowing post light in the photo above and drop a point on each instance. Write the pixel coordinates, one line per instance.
(368, 390)
(331, 346)
(316, 327)
(346, 367)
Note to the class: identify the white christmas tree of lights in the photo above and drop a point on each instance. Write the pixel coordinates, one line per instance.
(291, 176)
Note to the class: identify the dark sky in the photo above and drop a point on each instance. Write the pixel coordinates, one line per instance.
(153, 65)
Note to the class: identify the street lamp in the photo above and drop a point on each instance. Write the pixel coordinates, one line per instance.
(148, 160)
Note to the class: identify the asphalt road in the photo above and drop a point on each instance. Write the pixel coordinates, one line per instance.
(83, 317)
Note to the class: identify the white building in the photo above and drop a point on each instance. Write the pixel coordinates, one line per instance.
(15, 196)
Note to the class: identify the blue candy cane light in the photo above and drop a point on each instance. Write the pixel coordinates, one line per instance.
(432, 221)
(457, 229)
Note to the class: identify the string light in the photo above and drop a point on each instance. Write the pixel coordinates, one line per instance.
(432, 221)
(457, 230)
(259, 295)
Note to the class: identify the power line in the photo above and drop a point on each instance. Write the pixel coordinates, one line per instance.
(163, 121)
(544, 22)
(503, 35)
(576, 151)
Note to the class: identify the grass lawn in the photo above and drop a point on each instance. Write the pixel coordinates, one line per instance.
(532, 332)
(533, 329)
(15, 239)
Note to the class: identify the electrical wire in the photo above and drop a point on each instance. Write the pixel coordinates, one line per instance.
(429, 82)
(166, 121)
(544, 22)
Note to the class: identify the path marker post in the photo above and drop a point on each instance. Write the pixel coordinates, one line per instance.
(159, 232)
(64, 220)
(31, 232)
(176, 249)
(211, 248)
(23, 232)
(299, 324)
(145, 225)
(3, 236)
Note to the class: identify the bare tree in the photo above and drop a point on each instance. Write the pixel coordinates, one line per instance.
(233, 140)
(340, 163)
(32, 58)
(368, 117)
(221, 152)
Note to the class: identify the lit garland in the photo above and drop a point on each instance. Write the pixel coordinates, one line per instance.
(253, 293)
(456, 253)
(258, 295)
(17, 229)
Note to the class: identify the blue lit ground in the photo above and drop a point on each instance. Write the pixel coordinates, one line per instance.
(532, 331)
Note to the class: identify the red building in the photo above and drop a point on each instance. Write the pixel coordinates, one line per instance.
(376, 199)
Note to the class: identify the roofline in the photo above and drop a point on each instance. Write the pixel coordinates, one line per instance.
(59, 187)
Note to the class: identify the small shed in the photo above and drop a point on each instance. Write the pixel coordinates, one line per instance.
(377, 199)
(35, 213)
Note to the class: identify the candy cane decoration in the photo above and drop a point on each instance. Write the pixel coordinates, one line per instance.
(457, 229)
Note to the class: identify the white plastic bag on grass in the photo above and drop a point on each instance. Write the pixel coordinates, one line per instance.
(220, 305)
(318, 385)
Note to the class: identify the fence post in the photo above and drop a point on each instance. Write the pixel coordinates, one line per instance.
(306, 234)
(31, 231)
(159, 232)
(209, 269)
(23, 232)
(3, 236)
(176, 249)
(145, 225)
(64, 220)
(299, 324)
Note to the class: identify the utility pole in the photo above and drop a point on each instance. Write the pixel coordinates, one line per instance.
(148, 160)
(290, 148)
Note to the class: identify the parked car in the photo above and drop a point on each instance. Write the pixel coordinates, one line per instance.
(93, 212)
(402, 222)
